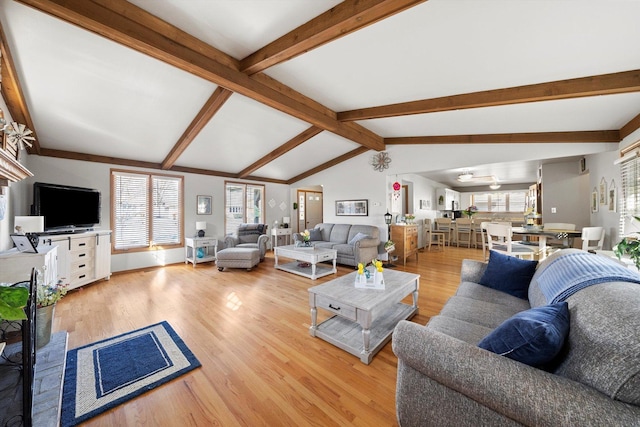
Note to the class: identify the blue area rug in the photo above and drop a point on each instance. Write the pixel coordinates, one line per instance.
(104, 374)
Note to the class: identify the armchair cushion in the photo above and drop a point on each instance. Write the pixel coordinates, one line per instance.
(534, 336)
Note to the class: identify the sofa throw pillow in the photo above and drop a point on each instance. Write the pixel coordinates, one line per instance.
(315, 234)
(357, 238)
(509, 274)
(533, 336)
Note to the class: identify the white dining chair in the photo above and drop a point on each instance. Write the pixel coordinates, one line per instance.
(592, 238)
(499, 240)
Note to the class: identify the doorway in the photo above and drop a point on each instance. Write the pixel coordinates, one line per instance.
(309, 209)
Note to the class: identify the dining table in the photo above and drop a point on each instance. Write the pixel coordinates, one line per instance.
(566, 236)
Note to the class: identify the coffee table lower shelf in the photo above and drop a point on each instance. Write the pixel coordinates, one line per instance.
(347, 334)
(293, 267)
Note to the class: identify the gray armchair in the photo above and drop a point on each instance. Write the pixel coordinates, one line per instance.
(249, 236)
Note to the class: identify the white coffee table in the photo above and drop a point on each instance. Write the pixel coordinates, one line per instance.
(311, 256)
(364, 318)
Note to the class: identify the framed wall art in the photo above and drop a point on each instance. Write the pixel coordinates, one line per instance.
(612, 196)
(352, 207)
(594, 200)
(204, 205)
(603, 191)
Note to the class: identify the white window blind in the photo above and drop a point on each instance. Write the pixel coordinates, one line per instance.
(146, 208)
(131, 209)
(513, 201)
(630, 188)
(517, 201)
(166, 210)
(481, 201)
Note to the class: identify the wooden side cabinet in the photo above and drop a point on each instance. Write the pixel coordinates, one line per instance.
(405, 238)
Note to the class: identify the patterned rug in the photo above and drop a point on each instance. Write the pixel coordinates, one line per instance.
(104, 374)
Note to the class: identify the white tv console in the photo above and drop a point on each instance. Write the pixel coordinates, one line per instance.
(82, 257)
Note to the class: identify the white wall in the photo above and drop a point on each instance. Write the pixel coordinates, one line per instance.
(96, 175)
(567, 190)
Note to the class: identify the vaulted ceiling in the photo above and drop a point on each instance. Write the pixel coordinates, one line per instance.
(277, 90)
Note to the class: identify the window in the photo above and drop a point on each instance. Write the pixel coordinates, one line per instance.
(512, 201)
(147, 210)
(630, 197)
(243, 203)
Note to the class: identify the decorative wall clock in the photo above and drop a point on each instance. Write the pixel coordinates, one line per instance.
(380, 161)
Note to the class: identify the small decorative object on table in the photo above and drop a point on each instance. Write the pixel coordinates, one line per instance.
(306, 239)
(470, 211)
(409, 218)
(364, 279)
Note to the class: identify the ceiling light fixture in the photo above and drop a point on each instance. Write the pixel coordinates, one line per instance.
(465, 176)
(495, 186)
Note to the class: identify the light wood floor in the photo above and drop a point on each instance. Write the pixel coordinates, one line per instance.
(249, 330)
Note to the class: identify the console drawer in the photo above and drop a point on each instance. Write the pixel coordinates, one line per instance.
(343, 310)
(82, 243)
(325, 257)
(82, 255)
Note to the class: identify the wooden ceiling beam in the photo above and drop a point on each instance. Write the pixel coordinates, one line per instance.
(604, 84)
(120, 27)
(343, 19)
(327, 165)
(210, 108)
(285, 148)
(72, 155)
(12, 92)
(630, 127)
(577, 137)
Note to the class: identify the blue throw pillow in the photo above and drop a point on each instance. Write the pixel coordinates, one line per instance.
(534, 336)
(509, 274)
(315, 234)
(357, 238)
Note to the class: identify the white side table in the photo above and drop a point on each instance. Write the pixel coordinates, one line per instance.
(275, 232)
(206, 246)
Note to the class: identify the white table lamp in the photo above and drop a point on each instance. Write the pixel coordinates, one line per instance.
(201, 226)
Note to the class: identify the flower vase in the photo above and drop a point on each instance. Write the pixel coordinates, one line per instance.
(377, 278)
(44, 322)
(361, 279)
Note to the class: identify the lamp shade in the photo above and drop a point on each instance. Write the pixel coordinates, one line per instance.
(286, 219)
(201, 225)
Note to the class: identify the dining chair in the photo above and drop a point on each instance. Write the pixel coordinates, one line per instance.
(432, 237)
(444, 225)
(464, 231)
(592, 234)
(499, 240)
(553, 244)
(480, 237)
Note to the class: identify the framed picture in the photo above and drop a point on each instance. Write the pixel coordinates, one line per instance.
(594, 200)
(603, 191)
(612, 197)
(203, 205)
(352, 207)
(425, 204)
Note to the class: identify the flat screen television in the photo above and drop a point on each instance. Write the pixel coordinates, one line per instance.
(66, 208)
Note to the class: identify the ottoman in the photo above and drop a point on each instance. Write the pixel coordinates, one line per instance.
(238, 258)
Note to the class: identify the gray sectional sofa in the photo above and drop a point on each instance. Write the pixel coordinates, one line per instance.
(341, 238)
(445, 379)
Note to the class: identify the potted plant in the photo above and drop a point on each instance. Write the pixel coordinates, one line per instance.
(46, 298)
(629, 245)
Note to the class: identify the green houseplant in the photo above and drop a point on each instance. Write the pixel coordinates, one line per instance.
(629, 245)
(12, 303)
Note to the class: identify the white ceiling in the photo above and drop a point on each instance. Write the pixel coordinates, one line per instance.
(87, 94)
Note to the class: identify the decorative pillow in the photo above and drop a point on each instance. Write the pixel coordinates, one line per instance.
(509, 274)
(533, 336)
(315, 234)
(357, 238)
